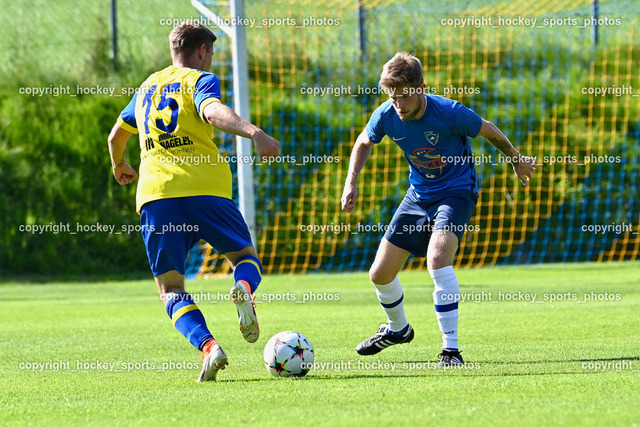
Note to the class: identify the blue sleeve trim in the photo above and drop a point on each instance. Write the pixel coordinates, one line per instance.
(128, 115)
(207, 86)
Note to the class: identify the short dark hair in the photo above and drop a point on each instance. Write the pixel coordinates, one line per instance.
(403, 69)
(187, 37)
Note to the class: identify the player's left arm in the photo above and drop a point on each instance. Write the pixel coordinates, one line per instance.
(123, 129)
(523, 166)
(122, 171)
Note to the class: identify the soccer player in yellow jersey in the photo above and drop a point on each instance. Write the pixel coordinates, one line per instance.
(184, 190)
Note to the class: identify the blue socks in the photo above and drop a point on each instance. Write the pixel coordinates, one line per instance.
(188, 319)
(249, 269)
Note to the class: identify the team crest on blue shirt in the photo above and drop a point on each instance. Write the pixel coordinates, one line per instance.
(432, 137)
(429, 164)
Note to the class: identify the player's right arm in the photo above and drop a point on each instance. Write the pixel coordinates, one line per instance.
(359, 155)
(224, 118)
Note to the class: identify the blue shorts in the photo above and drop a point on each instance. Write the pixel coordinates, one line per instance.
(415, 219)
(170, 227)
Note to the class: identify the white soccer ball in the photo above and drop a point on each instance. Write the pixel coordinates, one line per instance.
(288, 354)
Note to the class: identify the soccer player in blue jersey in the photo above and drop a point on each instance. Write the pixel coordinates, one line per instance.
(184, 190)
(430, 221)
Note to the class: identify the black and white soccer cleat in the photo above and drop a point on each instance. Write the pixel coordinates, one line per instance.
(450, 358)
(383, 339)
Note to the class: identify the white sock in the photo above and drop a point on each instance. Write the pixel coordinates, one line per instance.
(445, 298)
(391, 299)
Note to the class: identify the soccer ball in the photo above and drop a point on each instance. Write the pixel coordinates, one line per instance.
(288, 354)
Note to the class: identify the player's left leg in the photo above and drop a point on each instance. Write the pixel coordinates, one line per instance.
(450, 220)
(189, 321)
(167, 252)
(440, 255)
(182, 310)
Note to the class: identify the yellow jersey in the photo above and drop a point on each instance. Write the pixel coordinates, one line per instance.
(178, 156)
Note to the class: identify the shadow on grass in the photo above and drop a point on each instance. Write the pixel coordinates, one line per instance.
(430, 373)
(538, 362)
(439, 372)
(611, 359)
(76, 278)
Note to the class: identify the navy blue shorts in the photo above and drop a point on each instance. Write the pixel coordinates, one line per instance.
(415, 219)
(170, 227)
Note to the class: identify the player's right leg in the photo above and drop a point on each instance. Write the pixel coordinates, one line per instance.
(406, 234)
(247, 272)
(384, 275)
(221, 224)
(167, 251)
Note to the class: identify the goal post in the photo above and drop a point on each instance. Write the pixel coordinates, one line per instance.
(244, 146)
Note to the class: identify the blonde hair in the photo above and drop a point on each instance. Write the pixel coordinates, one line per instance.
(403, 69)
(187, 37)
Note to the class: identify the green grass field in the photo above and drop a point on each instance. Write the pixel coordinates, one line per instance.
(106, 353)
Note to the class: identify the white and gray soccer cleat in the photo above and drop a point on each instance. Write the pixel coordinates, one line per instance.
(247, 319)
(215, 359)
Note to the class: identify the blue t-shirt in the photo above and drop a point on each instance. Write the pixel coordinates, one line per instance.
(435, 145)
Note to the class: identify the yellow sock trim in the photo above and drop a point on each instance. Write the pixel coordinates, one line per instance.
(181, 311)
(252, 262)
